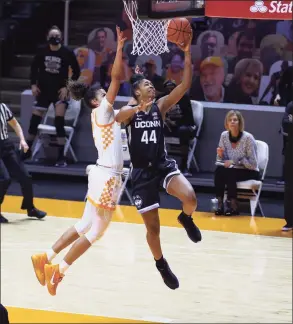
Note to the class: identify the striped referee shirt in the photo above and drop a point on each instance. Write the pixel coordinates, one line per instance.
(5, 116)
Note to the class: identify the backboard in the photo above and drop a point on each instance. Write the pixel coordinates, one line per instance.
(164, 9)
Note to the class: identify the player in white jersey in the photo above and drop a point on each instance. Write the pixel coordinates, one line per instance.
(104, 181)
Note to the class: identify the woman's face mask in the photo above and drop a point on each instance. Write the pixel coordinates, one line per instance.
(54, 39)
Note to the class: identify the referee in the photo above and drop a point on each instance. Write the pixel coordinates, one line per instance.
(12, 166)
(288, 201)
(4, 318)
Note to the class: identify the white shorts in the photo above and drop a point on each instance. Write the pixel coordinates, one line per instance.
(104, 186)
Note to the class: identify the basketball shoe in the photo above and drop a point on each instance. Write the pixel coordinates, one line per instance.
(191, 229)
(168, 276)
(53, 277)
(39, 261)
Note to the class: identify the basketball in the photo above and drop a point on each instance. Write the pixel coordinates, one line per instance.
(179, 31)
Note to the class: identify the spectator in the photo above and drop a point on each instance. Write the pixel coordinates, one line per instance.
(175, 70)
(236, 161)
(272, 49)
(99, 41)
(179, 122)
(210, 86)
(274, 82)
(211, 43)
(245, 82)
(245, 45)
(150, 74)
(49, 76)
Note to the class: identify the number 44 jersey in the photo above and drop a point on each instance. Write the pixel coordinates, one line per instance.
(145, 135)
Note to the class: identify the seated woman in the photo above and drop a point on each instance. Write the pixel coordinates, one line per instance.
(236, 161)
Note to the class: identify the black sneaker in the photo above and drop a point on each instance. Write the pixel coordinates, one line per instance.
(36, 213)
(287, 228)
(3, 220)
(192, 230)
(168, 276)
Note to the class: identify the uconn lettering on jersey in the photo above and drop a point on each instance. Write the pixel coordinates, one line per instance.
(147, 124)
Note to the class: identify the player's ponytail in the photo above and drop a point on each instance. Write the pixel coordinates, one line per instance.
(78, 90)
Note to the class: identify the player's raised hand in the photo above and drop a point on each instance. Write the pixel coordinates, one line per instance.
(138, 70)
(185, 47)
(143, 106)
(120, 38)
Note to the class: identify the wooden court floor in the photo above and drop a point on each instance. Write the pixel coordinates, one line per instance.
(240, 273)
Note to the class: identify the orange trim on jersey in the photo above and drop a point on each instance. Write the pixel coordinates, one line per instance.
(107, 125)
(100, 205)
(99, 125)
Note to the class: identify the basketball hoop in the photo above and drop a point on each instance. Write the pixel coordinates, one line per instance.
(149, 36)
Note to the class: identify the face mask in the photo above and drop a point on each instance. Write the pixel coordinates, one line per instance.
(54, 40)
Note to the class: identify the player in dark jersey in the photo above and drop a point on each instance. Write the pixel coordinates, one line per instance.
(151, 165)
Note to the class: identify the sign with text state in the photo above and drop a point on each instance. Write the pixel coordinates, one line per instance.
(246, 9)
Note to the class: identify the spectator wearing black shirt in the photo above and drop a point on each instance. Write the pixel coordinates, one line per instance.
(49, 77)
(179, 122)
(12, 166)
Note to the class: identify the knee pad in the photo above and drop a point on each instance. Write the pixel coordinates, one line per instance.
(99, 226)
(94, 234)
(82, 227)
(59, 124)
(34, 123)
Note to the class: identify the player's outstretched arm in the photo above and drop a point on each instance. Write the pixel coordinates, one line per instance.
(126, 113)
(117, 68)
(166, 102)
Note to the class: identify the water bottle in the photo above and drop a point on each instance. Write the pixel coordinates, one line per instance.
(214, 204)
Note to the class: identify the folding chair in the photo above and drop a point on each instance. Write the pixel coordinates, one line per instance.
(46, 128)
(126, 170)
(197, 111)
(253, 187)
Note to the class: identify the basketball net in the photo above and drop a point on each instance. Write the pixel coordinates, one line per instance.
(149, 36)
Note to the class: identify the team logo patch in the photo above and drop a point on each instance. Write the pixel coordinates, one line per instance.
(137, 201)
